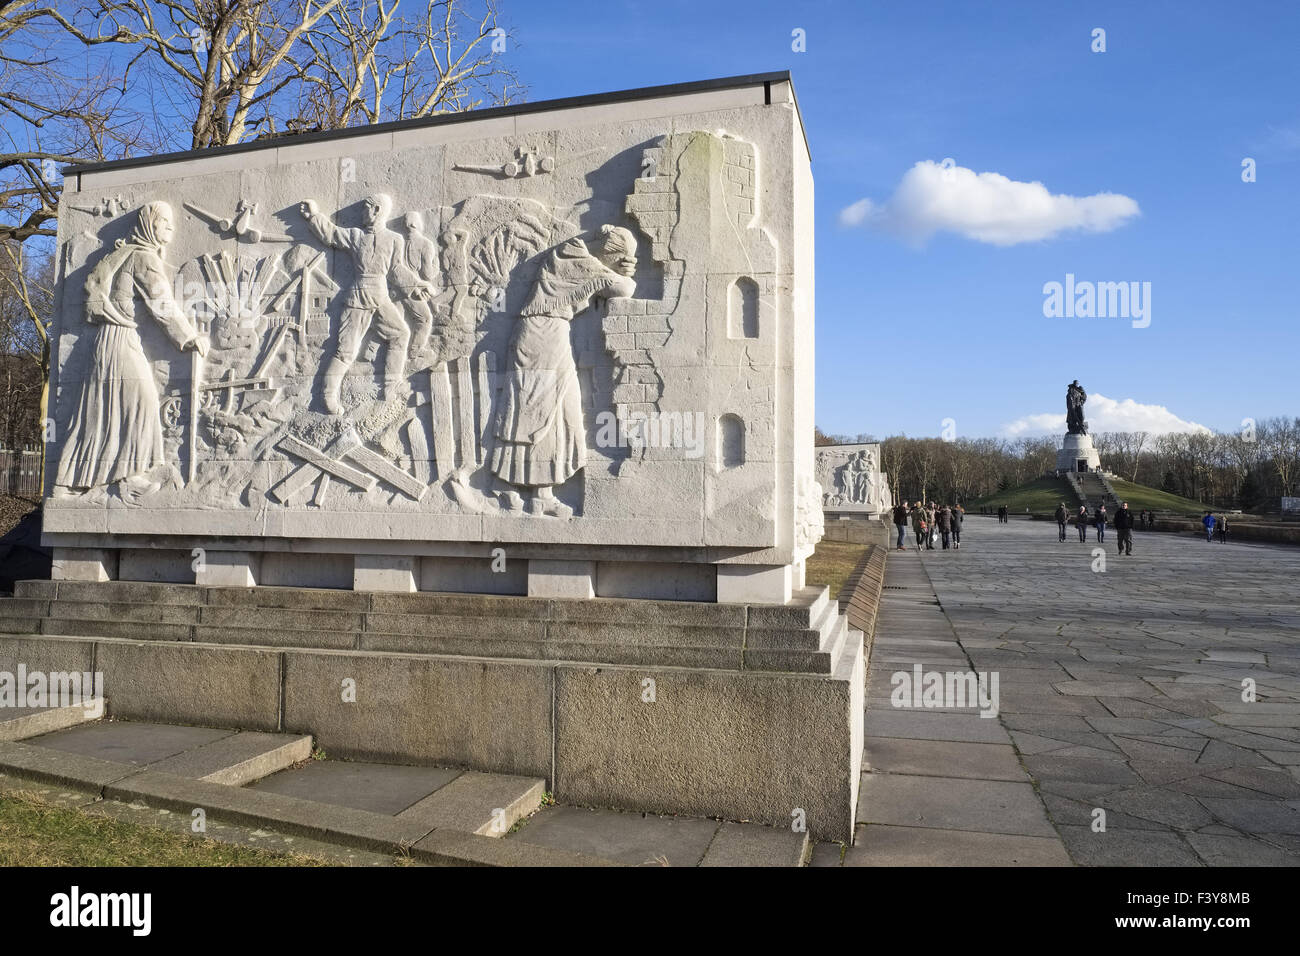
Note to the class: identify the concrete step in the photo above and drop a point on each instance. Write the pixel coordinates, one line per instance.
(126, 787)
(647, 839)
(839, 640)
(804, 608)
(17, 607)
(19, 723)
(228, 757)
(239, 759)
(488, 804)
(615, 631)
(808, 651)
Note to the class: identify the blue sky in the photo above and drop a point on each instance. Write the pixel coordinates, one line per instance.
(909, 334)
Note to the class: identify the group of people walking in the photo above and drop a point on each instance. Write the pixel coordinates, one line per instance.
(931, 523)
(1124, 521)
(1215, 526)
(1002, 512)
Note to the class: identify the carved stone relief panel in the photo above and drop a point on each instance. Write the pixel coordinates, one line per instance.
(581, 329)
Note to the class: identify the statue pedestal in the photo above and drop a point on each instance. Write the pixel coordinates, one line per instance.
(1077, 454)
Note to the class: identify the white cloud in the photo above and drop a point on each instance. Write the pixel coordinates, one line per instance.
(857, 213)
(987, 207)
(1105, 415)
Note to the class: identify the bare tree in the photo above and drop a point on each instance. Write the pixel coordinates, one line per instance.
(374, 66)
(26, 308)
(893, 454)
(235, 69)
(1281, 440)
(56, 107)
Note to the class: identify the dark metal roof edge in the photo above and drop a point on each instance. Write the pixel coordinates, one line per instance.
(493, 112)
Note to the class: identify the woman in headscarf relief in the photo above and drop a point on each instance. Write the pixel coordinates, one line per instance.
(115, 433)
(540, 438)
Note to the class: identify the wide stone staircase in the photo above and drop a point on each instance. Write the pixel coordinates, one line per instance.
(511, 688)
(1092, 489)
(808, 635)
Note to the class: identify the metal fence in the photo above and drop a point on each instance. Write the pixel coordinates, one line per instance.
(20, 472)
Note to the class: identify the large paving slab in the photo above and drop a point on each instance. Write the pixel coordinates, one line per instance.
(378, 788)
(638, 839)
(130, 742)
(881, 845)
(942, 783)
(1129, 690)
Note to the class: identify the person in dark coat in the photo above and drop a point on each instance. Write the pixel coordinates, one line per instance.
(944, 520)
(900, 522)
(1100, 520)
(918, 524)
(1061, 517)
(1081, 523)
(1124, 529)
(957, 514)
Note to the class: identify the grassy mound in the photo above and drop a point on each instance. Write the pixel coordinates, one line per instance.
(1040, 496)
(1153, 499)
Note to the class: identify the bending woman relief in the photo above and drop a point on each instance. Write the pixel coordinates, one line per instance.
(540, 436)
(115, 433)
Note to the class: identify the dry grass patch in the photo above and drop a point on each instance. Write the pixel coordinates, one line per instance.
(33, 833)
(832, 563)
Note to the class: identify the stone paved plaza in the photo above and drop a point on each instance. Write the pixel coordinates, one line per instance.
(1120, 690)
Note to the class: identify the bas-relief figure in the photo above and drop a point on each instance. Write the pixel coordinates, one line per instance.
(380, 259)
(115, 433)
(540, 435)
(852, 478)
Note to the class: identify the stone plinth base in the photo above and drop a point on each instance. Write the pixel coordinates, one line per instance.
(1077, 454)
(738, 711)
(214, 564)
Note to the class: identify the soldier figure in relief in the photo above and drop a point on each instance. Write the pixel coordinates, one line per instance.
(115, 433)
(539, 430)
(421, 258)
(378, 253)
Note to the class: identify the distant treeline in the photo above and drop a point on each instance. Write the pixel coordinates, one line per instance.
(1246, 469)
